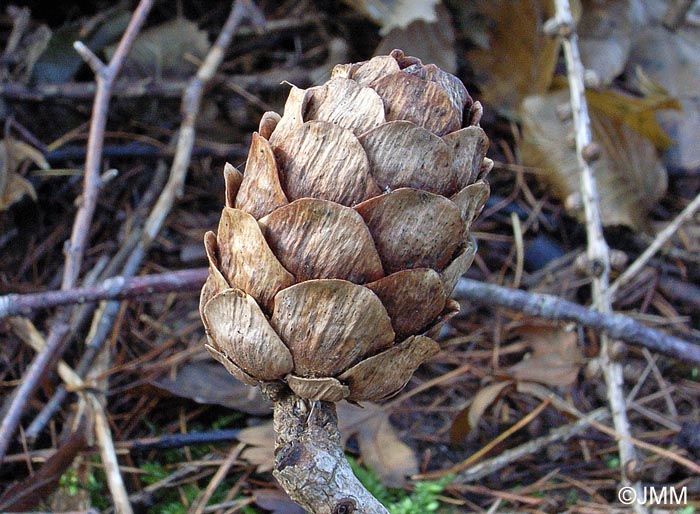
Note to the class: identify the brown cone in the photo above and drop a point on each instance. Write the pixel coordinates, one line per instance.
(341, 242)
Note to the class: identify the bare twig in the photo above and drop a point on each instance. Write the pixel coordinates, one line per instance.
(190, 106)
(200, 503)
(266, 81)
(30, 382)
(597, 250)
(551, 307)
(115, 482)
(75, 249)
(172, 190)
(485, 468)
(105, 76)
(31, 336)
(476, 456)
(533, 304)
(660, 239)
(115, 288)
(310, 463)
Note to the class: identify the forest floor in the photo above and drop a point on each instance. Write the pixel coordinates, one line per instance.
(512, 415)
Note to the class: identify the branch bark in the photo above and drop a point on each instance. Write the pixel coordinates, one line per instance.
(310, 463)
(597, 250)
(541, 306)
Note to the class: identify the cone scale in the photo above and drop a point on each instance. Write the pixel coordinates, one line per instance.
(343, 237)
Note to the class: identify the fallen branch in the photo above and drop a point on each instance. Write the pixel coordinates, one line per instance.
(660, 240)
(116, 288)
(537, 305)
(617, 326)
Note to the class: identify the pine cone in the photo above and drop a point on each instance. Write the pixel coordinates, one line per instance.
(340, 244)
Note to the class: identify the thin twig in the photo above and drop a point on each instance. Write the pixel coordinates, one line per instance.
(537, 305)
(30, 382)
(660, 239)
(199, 504)
(115, 288)
(81, 228)
(190, 105)
(551, 307)
(597, 250)
(485, 468)
(105, 76)
(172, 190)
(476, 456)
(115, 482)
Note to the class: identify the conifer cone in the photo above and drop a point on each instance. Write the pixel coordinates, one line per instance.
(341, 242)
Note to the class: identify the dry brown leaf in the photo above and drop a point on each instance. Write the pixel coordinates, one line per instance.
(276, 501)
(629, 175)
(161, 50)
(238, 330)
(518, 59)
(322, 160)
(327, 388)
(28, 494)
(246, 259)
(12, 185)
(321, 239)
(261, 443)
(556, 358)
(637, 113)
(209, 383)
(381, 449)
(395, 13)
(413, 228)
(605, 34)
(413, 299)
(383, 375)
(325, 342)
(468, 419)
(429, 41)
(671, 59)
(260, 190)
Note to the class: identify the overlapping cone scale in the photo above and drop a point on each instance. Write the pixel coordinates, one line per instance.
(343, 238)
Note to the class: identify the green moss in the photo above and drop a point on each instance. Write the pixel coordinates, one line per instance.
(423, 499)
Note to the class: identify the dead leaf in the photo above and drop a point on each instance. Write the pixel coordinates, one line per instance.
(161, 50)
(276, 501)
(605, 34)
(517, 59)
(29, 493)
(261, 444)
(432, 42)
(381, 449)
(629, 175)
(208, 382)
(556, 357)
(671, 59)
(468, 419)
(637, 113)
(12, 185)
(390, 14)
(58, 61)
